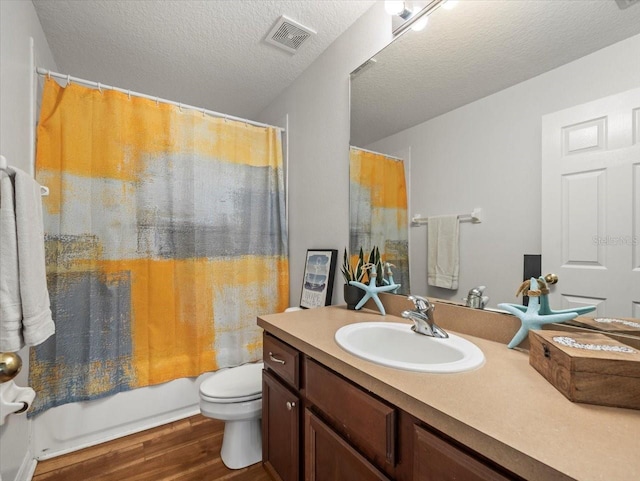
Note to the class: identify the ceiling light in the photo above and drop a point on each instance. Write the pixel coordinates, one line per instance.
(393, 7)
(449, 4)
(398, 8)
(420, 23)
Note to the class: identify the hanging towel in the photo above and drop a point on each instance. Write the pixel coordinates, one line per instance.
(25, 314)
(443, 252)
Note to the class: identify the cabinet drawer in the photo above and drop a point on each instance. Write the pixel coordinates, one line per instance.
(369, 424)
(282, 359)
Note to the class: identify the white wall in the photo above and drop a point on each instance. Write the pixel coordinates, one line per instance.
(488, 154)
(318, 107)
(18, 22)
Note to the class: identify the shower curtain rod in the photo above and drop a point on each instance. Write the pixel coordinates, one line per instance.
(392, 157)
(48, 73)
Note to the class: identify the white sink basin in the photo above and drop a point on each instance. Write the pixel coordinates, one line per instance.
(396, 345)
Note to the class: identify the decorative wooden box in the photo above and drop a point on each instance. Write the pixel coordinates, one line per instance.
(619, 325)
(588, 368)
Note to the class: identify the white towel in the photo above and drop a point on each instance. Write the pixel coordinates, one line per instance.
(443, 252)
(10, 305)
(25, 314)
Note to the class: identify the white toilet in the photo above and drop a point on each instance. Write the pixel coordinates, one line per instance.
(234, 396)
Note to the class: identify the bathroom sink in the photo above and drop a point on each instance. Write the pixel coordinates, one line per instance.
(396, 345)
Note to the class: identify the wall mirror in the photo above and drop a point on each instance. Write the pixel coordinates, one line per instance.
(463, 102)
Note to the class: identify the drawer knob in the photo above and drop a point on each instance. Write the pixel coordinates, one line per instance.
(275, 359)
(290, 405)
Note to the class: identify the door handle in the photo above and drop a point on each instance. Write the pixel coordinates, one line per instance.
(551, 278)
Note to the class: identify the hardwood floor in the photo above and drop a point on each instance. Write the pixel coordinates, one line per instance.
(185, 450)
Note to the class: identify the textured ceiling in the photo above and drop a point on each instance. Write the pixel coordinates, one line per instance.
(204, 53)
(476, 49)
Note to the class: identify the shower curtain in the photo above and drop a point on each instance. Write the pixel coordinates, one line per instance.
(165, 238)
(378, 210)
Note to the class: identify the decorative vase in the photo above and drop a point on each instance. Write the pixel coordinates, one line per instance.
(352, 295)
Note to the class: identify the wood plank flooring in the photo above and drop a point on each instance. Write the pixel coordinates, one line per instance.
(185, 450)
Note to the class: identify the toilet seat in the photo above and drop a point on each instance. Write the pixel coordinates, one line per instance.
(234, 385)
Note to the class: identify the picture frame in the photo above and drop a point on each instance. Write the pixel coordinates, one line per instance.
(317, 282)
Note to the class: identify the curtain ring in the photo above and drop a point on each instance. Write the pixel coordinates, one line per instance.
(129, 94)
(99, 87)
(49, 74)
(204, 113)
(157, 102)
(68, 80)
(180, 107)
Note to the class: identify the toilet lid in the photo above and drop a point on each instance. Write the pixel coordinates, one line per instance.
(238, 383)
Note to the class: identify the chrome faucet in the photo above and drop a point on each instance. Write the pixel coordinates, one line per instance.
(422, 318)
(475, 299)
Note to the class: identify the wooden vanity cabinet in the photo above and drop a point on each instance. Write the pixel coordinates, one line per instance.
(319, 426)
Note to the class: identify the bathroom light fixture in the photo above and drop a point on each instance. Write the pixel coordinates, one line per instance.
(397, 7)
(419, 24)
(412, 14)
(449, 4)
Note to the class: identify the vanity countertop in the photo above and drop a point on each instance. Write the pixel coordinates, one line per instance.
(504, 410)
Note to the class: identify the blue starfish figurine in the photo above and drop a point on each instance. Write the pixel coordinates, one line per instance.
(389, 281)
(371, 291)
(546, 310)
(530, 318)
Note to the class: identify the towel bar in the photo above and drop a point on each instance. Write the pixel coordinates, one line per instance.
(475, 217)
(5, 166)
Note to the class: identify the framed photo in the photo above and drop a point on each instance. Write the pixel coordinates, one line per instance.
(317, 283)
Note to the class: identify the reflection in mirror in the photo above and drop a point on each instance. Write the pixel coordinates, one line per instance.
(378, 211)
(467, 98)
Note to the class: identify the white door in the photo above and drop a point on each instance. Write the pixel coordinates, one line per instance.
(591, 204)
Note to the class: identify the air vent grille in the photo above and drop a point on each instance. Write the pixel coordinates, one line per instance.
(626, 3)
(288, 34)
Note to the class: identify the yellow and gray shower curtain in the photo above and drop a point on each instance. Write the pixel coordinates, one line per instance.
(378, 210)
(165, 238)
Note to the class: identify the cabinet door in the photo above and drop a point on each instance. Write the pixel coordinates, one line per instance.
(434, 459)
(328, 457)
(280, 429)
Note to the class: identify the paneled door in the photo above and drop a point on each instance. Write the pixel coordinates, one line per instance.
(591, 204)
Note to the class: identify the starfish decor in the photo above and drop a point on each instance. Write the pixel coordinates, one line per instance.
(371, 291)
(545, 309)
(389, 280)
(531, 317)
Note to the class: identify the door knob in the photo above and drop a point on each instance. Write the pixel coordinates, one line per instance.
(290, 405)
(551, 278)
(10, 365)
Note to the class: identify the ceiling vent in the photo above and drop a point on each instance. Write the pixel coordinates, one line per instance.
(288, 34)
(625, 3)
